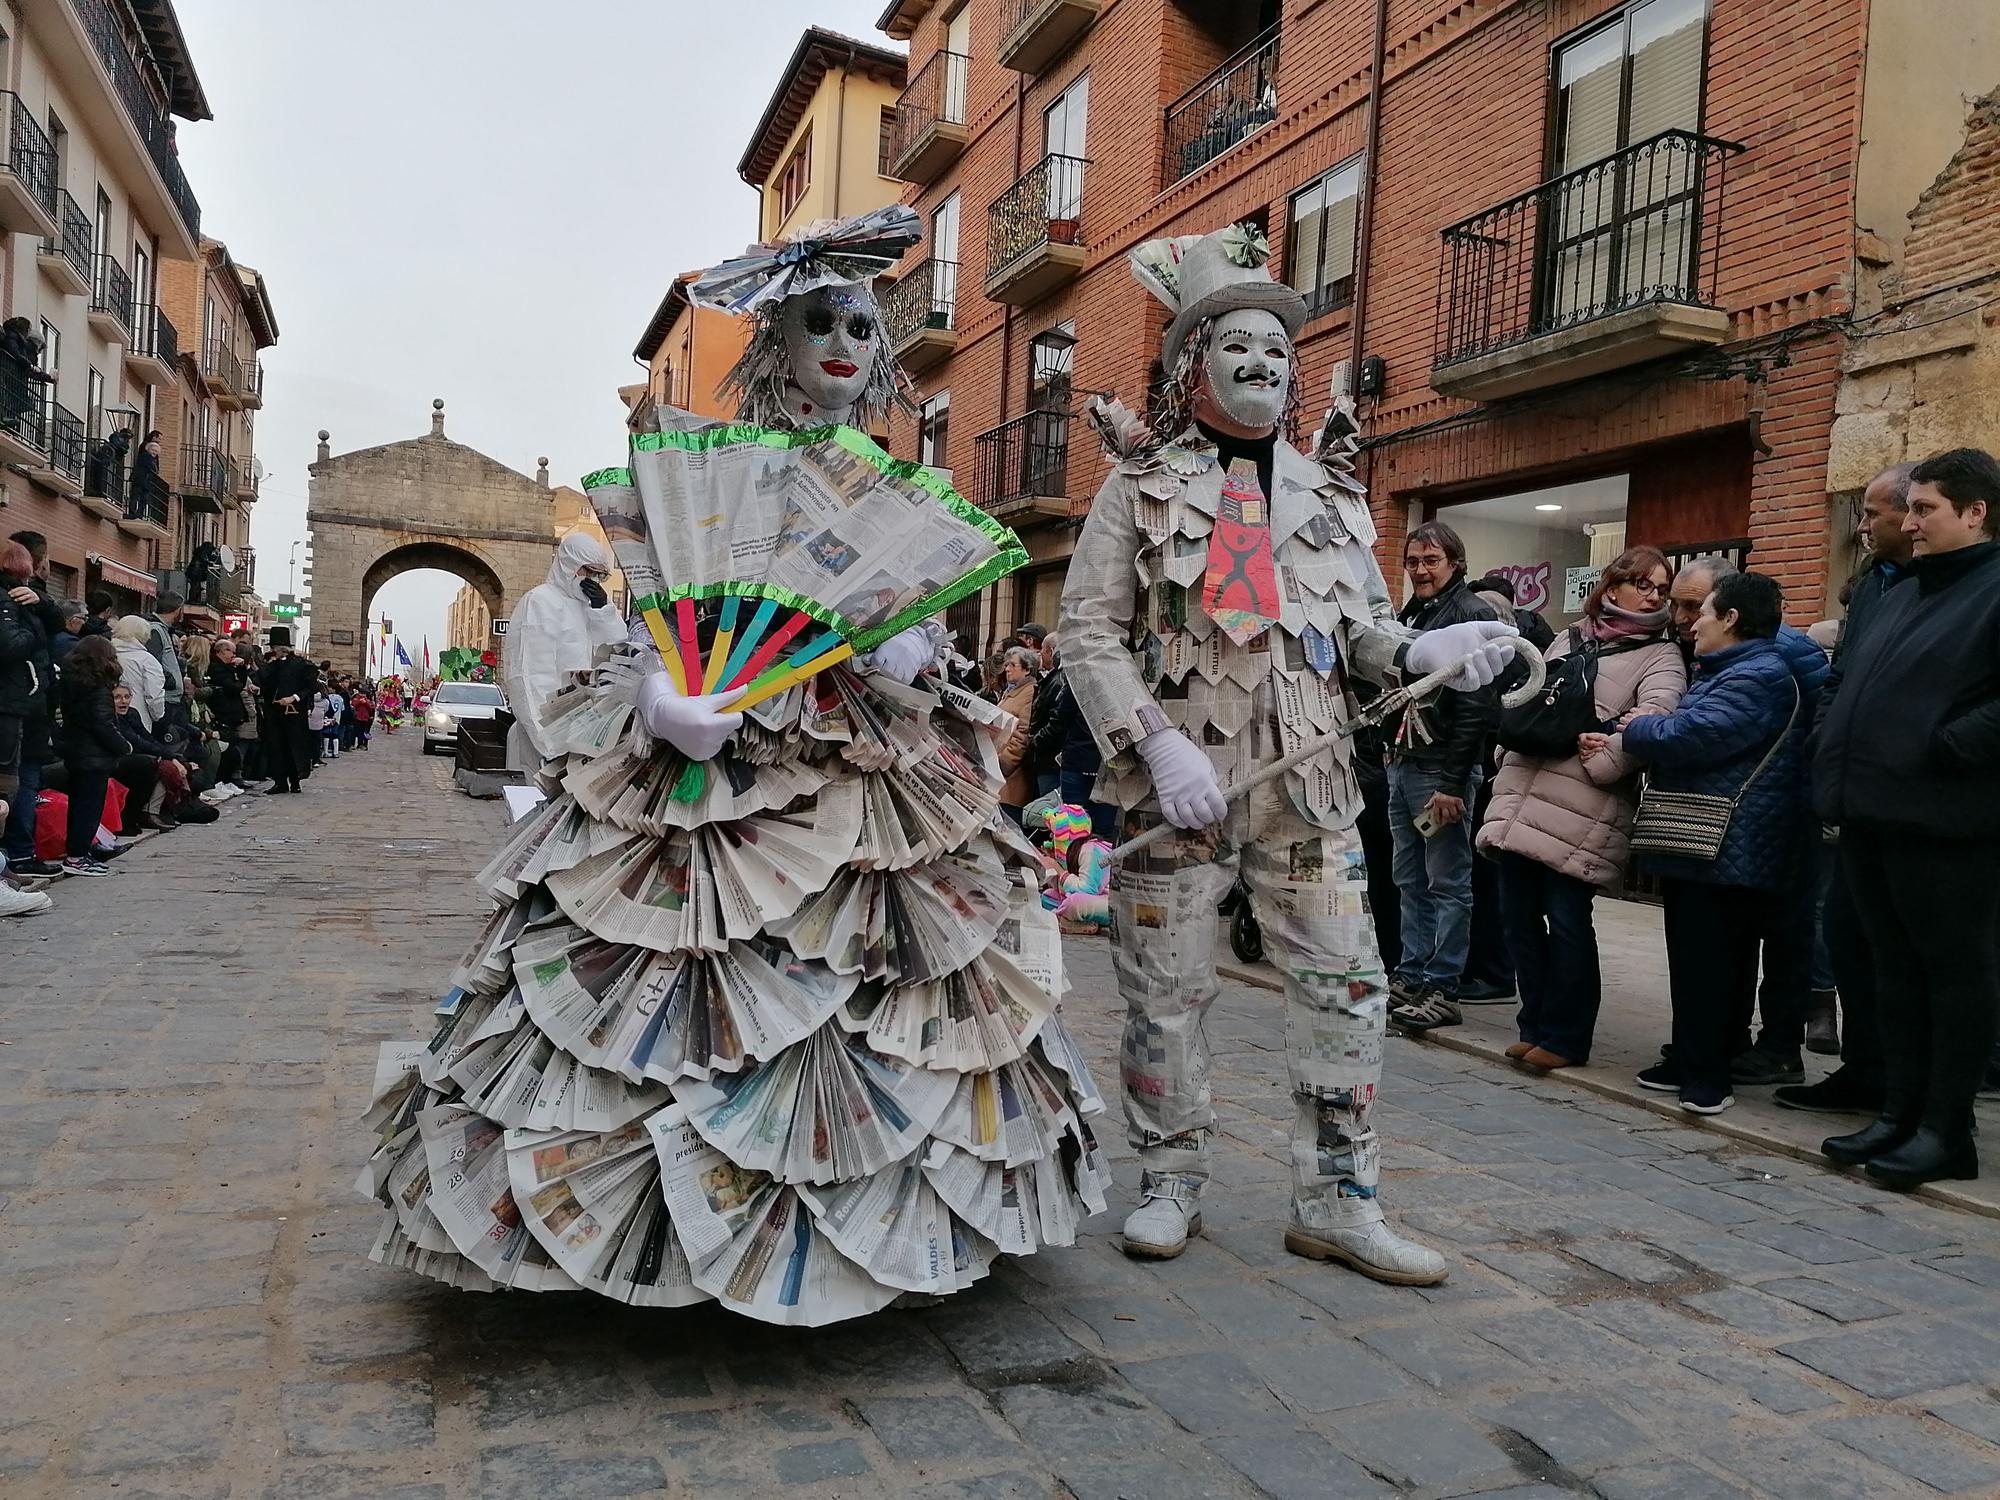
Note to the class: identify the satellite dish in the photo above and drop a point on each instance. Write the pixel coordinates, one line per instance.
(228, 558)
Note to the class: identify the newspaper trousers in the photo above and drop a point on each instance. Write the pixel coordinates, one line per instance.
(1308, 890)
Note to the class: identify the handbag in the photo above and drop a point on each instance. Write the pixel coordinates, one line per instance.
(1692, 825)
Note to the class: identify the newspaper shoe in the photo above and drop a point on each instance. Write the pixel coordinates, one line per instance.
(1158, 1228)
(1370, 1246)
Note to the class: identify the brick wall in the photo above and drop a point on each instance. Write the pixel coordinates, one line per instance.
(1464, 126)
(1954, 234)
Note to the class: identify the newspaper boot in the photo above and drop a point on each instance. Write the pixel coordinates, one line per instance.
(1170, 1181)
(1163, 929)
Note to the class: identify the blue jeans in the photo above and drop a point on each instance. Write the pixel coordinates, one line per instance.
(1434, 878)
(1546, 917)
(20, 836)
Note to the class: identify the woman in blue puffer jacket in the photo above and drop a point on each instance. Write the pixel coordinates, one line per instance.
(1744, 701)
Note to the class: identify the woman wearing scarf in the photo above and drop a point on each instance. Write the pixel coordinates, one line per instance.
(1560, 826)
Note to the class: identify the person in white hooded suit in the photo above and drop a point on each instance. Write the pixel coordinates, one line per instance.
(556, 630)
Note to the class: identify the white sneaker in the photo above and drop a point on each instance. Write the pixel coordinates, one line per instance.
(213, 797)
(1158, 1229)
(19, 903)
(1372, 1249)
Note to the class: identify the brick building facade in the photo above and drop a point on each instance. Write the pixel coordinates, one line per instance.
(1632, 332)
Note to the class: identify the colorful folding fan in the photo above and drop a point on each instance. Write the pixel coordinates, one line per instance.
(759, 558)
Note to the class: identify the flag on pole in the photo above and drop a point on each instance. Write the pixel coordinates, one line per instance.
(427, 657)
(404, 656)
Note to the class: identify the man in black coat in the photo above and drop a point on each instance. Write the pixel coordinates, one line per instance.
(1436, 763)
(1856, 1085)
(44, 621)
(1908, 767)
(285, 688)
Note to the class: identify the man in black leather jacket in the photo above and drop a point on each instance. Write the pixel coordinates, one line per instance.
(1436, 762)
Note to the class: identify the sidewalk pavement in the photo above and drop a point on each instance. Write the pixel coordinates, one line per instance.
(1636, 1019)
(1637, 1310)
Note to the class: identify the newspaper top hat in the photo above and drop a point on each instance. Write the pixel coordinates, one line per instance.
(1200, 275)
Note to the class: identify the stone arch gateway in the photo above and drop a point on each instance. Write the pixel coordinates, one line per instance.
(425, 502)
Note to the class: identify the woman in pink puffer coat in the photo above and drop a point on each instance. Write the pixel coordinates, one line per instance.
(1561, 829)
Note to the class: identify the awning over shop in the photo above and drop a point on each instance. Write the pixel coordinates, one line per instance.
(125, 578)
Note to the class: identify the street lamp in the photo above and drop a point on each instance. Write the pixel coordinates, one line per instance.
(292, 577)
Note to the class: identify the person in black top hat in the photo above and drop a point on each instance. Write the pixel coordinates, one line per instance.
(285, 688)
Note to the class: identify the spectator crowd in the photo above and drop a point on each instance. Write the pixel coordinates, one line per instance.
(116, 725)
(1817, 814)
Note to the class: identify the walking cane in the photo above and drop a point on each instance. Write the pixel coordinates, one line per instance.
(1391, 702)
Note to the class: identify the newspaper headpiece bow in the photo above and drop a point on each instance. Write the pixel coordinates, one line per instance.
(827, 252)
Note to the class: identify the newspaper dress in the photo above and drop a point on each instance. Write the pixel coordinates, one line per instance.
(792, 1045)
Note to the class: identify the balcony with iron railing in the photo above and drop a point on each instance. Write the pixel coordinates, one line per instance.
(146, 507)
(1034, 33)
(1034, 232)
(930, 131)
(154, 348)
(154, 126)
(105, 476)
(111, 301)
(253, 384)
(1604, 267)
(921, 315)
(65, 257)
(1021, 467)
(226, 471)
(195, 480)
(1236, 100)
(24, 434)
(60, 467)
(27, 171)
(224, 373)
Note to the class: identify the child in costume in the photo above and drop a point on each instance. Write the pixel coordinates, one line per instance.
(768, 1010)
(1078, 868)
(1222, 595)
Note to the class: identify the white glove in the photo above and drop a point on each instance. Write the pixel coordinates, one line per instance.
(903, 655)
(623, 677)
(1190, 796)
(697, 727)
(1484, 647)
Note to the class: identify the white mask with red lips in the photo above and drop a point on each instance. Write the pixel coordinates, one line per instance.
(833, 337)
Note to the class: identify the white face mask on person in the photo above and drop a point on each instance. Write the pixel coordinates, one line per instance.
(833, 336)
(1249, 369)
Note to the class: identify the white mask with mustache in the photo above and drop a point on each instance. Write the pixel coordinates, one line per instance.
(837, 326)
(1249, 368)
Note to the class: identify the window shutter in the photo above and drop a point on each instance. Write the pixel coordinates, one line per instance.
(1666, 67)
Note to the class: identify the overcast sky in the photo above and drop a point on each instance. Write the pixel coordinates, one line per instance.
(477, 201)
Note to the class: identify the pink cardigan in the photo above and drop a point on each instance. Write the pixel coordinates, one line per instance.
(1577, 819)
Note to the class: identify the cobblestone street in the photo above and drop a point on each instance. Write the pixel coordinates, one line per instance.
(1637, 1310)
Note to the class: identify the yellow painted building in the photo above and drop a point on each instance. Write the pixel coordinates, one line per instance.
(821, 149)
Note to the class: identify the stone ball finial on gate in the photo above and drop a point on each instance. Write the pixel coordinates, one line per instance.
(542, 472)
(437, 417)
(324, 452)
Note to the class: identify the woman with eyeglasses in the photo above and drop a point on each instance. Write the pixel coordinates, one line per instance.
(1559, 825)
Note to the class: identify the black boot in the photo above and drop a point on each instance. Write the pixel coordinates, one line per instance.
(1842, 1092)
(1928, 1156)
(1894, 1129)
(1822, 1030)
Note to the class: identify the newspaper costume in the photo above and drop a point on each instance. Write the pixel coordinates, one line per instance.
(789, 1042)
(1208, 631)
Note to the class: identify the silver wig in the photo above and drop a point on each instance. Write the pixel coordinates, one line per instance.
(759, 378)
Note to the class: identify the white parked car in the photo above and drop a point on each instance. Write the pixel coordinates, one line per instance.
(454, 701)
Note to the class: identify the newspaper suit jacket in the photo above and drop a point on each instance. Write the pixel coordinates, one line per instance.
(1141, 654)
